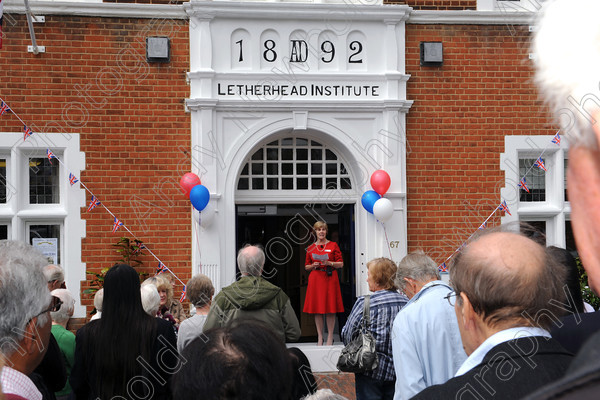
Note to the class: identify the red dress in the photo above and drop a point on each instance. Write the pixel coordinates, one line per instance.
(323, 295)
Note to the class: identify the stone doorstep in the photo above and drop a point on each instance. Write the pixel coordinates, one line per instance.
(322, 358)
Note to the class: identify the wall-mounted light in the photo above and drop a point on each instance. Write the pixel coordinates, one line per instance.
(158, 49)
(432, 54)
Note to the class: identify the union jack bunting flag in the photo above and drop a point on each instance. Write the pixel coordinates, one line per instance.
(483, 226)
(50, 154)
(161, 268)
(72, 179)
(116, 225)
(27, 132)
(4, 108)
(540, 164)
(140, 248)
(504, 207)
(556, 139)
(94, 203)
(523, 185)
(443, 267)
(182, 298)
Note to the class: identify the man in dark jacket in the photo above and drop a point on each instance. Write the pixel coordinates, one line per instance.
(254, 297)
(507, 293)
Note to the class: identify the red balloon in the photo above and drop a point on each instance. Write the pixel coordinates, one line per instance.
(380, 181)
(187, 182)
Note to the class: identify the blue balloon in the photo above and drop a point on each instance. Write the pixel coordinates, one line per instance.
(368, 200)
(199, 196)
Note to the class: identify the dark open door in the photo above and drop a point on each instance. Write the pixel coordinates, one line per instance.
(284, 230)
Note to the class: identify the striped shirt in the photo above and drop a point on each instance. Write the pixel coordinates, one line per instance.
(385, 304)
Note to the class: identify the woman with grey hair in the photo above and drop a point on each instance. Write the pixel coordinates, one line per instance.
(150, 299)
(64, 338)
(200, 291)
(98, 299)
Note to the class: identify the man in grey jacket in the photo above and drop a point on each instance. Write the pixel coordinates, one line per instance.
(254, 297)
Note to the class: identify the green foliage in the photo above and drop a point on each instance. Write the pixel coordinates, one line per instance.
(97, 281)
(130, 251)
(588, 295)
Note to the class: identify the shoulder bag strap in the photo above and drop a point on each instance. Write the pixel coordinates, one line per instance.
(366, 320)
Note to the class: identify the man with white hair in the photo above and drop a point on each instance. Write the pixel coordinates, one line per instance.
(55, 276)
(567, 60)
(426, 343)
(64, 338)
(24, 321)
(254, 297)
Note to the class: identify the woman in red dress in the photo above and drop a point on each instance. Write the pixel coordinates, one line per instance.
(323, 295)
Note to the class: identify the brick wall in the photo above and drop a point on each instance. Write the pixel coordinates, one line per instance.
(456, 127)
(94, 80)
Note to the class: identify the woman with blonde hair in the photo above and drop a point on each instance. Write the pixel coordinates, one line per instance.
(323, 294)
(165, 291)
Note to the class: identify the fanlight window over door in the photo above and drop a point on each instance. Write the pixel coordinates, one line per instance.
(294, 163)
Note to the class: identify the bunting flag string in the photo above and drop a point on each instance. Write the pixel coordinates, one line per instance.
(4, 108)
(117, 224)
(443, 267)
(523, 185)
(140, 248)
(26, 132)
(50, 154)
(539, 162)
(504, 207)
(95, 201)
(161, 268)
(72, 179)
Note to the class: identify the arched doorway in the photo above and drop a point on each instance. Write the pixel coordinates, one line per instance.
(275, 176)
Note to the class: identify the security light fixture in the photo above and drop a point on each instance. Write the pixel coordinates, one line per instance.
(432, 54)
(158, 49)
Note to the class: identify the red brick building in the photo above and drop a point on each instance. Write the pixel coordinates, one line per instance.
(455, 134)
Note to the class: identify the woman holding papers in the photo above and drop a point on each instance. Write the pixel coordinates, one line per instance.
(323, 295)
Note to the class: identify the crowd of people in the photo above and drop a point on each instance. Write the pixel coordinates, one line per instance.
(508, 325)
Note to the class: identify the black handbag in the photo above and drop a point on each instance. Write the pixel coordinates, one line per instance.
(359, 355)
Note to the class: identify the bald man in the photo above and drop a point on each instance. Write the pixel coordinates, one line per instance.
(254, 297)
(507, 293)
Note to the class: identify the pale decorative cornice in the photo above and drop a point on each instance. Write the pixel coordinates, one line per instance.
(471, 17)
(313, 105)
(89, 9)
(285, 10)
(270, 10)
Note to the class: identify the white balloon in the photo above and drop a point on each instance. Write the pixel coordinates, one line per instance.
(383, 209)
(206, 216)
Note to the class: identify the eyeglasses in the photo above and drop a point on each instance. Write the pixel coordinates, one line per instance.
(451, 297)
(54, 306)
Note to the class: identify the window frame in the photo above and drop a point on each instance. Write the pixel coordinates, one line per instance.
(555, 210)
(19, 214)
